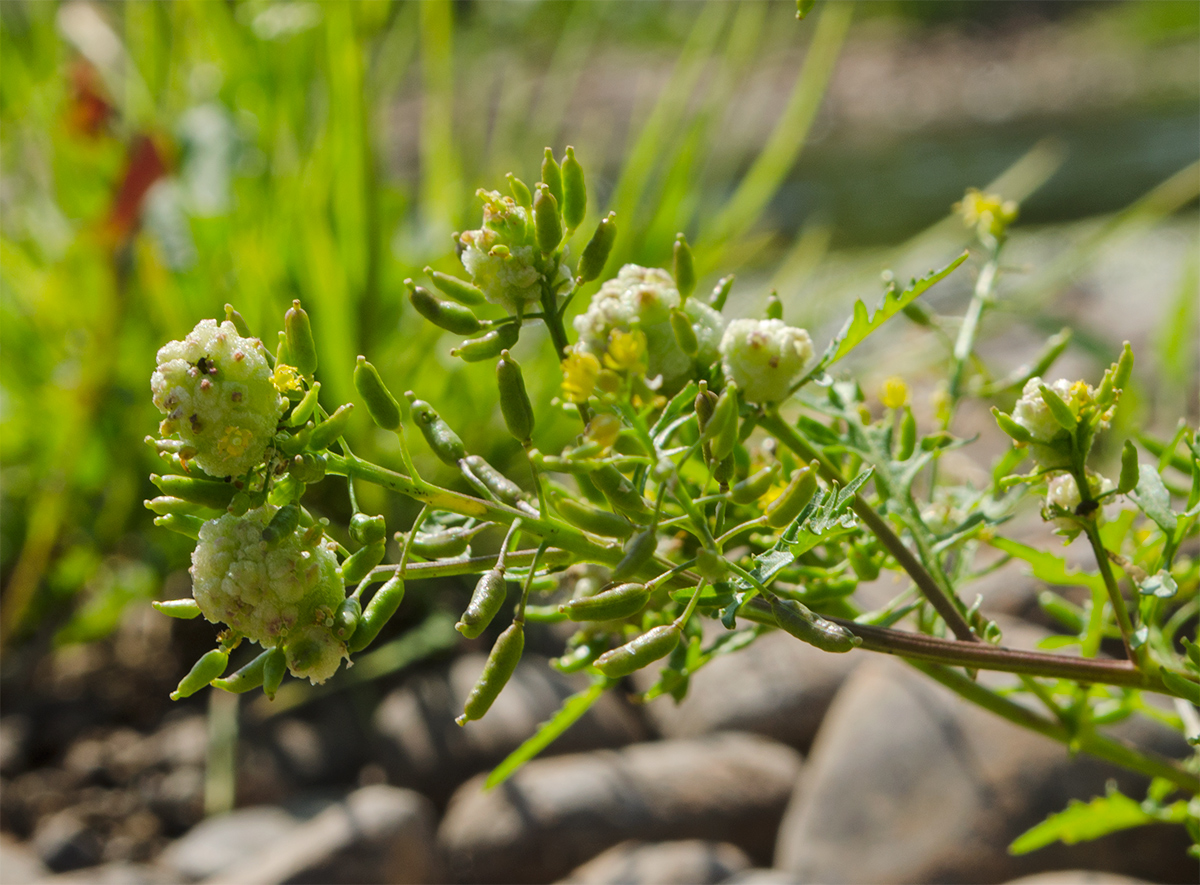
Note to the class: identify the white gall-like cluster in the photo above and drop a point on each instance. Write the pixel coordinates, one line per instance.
(1063, 492)
(764, 357)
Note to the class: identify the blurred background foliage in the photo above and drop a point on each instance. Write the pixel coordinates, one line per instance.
(161, 159)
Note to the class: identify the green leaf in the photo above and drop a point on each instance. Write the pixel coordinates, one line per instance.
(862, 324)
(568, 714)
(1180, 685)
(1160, 585)
(1084, 821)
(1154, 499)
(1129, 469)
(1048, 567)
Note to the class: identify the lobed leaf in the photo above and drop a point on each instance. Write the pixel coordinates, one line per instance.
(1047, 566)
(1154, 499)
(1084, 821)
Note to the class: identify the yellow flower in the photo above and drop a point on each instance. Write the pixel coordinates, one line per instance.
(234, 441)
(603, 428)
(894, 393)
(988, 213)
(285, 378)
(625, 351)
(580, 370)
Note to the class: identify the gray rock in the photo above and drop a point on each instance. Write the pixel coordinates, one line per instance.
(216, 844)
(762, 876)
(14, 744)
(119, 873)
(64, 841)
(687, 862)
(421, 746)
(1076, 877)
(19, 865)
(778, 687)
(556, 813)
(906, 782)
(377, 834)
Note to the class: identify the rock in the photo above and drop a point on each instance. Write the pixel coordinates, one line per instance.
(14, 744)
(1076, 877)
(377, 834)
(762, 876)
(64, 841)
(218, 843)
(557, 812)
(421, 746)
(778, 687)
(688, 862)
(906, 782)
(119, 873)
(19, 865)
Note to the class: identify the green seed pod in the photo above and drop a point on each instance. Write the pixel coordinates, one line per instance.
(552, 176)
(546, 220)
(721, 432)
(273, 669)
(685, 268)
(184, 609)
(864, 565)
(283, 355)
(493, 481)
(294, 443)
(282, 524)
(813, 629)
(725, 470)
(381, 405)
(907, 442)
(367, 529)
(579, 657)
(441, 544)
(638, 652)
(238, 322)
(514, 401)
(685, 334)
(754, 487)
(327, 432)
(501, 663)
(181, 524)
(378, 612)
(444, 441)
(240, 503)
(1130, 471)
(464, 293)
(300, 343)
(618, 602)
(246, 679)
(800, 488)
(706, 402)
(345, 619)
(774, 306)
(520, 191)
(574, 191)
(205, 670)
(720, 292)
(165, 504)
(359, 563)
(1017, 432)
(448, 315)
(1124, 368)
(287, 490)
(620, 492)
(307, 468)
(489, 345)
(1059, 410)
(592, 519)
(205, 492)
(304, 409)
(638, 551)
(596, 252)
(486, 602)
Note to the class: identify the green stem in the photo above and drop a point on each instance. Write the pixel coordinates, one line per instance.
(1110, 582)
(964, 345)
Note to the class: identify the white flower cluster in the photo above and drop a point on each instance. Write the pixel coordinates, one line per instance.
(764, 357)
(1063, 491)
(216, 390)
(282, 595)
(643, 297)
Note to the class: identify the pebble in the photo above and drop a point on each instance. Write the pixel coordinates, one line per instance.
(119, 873)
(686, 862)
(1076, 877)
(14, 744)
(556, 813)
(64, 842)
(217, 843)
(19, 865)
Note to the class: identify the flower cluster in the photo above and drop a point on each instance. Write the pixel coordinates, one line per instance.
(989, 214)
(1062, 493)
(764, 357)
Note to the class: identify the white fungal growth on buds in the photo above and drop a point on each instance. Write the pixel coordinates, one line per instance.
(216, 390)
(643, 297)
(1032, 413)
(764, 357)
(1063, 492)
(281, 595)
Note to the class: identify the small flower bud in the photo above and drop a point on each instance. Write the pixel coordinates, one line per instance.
(367, 529)
(720, 292)
(552, 176)
(685, 335)
(520, 191)
(774, 306)
(205, 670)
(238, 323)
(304, 409)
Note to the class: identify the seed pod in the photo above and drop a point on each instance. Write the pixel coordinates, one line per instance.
(638, 652)
(592, 519)
(620, 492)
(800, 488)
(238, 322)
(274, 667)
(183, 525)
(440, 544)
(287, 490)
(1017, 432)
(907, 443)
(552, 176)
(1059, 410)
(301, 345)
(546, 220)
(813, 629)
(489, 345)
(450, 316)
(494, 482)
(706, 402)
(378, 612)
(445, 443)
(203, 672)
(574, 191)
(486, 602)
(514, 401)
(307, 468)
(1130, 471)
(246, 679)
(685, 268)
(184, 609)
(165, 504)
(864, 565)
(346, 618)
(282, 524)
(720, 292)
(579, 657)
(294, 443)
(381, 405)
(464, 293)
(283, 355)
(359, 563)
(618, 602)
(596, 252)
(685, 334)
(754, 487)
(721, 432)
(638, 551)
(367, 529)
(304, 409)
(501, 663)
(205, 492)
(520, 191)
(723, 471)
(328, 431)
(1124, 368)
(774, 306)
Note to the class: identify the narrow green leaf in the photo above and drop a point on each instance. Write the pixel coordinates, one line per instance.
(1181, 685)
(1048, 567)
(1084, 821)
(1154, 499)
